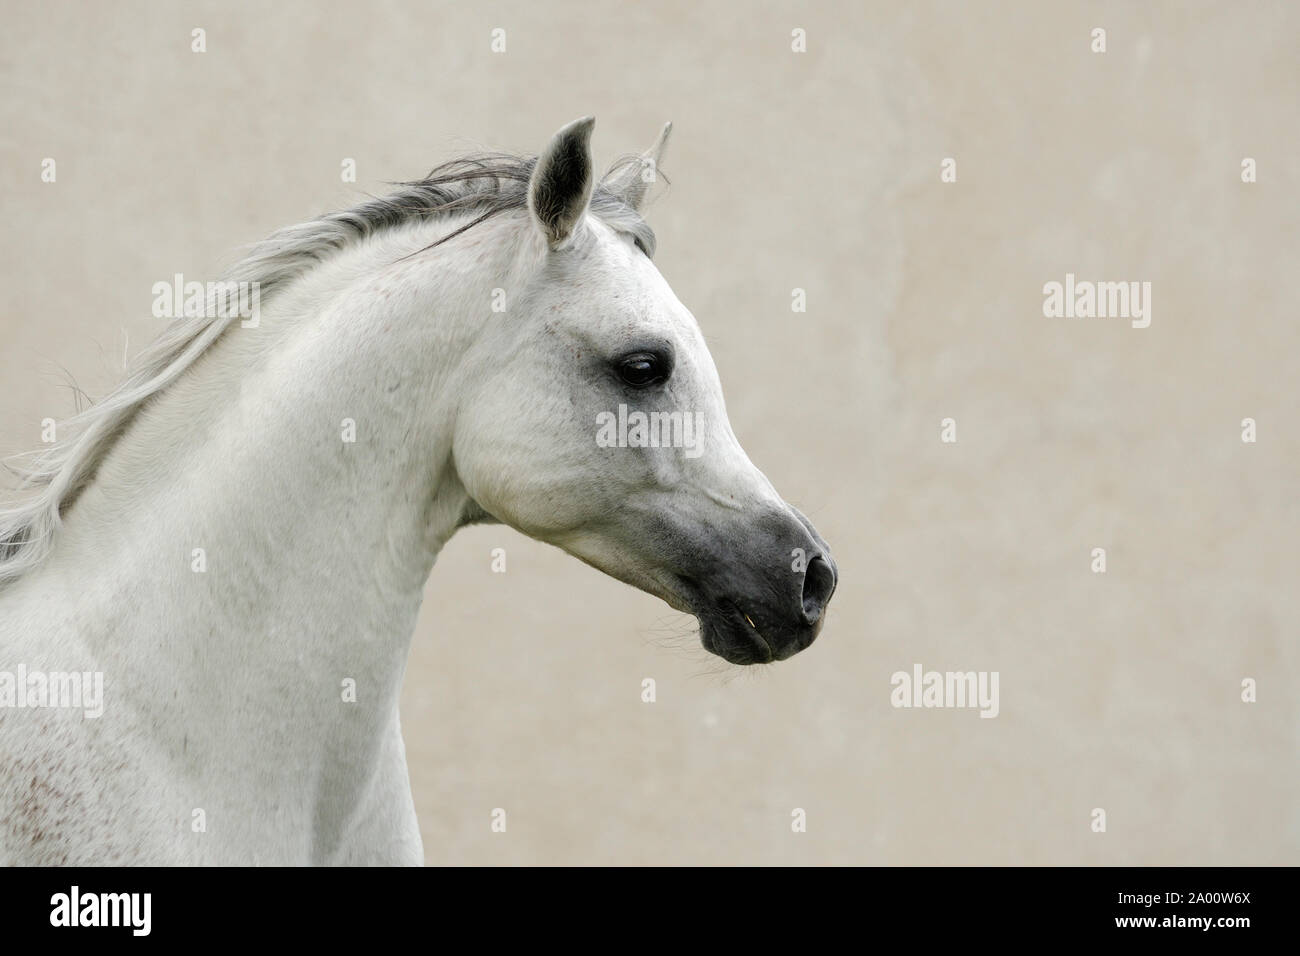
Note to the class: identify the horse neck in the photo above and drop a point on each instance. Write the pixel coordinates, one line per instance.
(246, 556)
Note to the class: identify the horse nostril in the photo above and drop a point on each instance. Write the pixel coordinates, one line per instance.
(818, 586)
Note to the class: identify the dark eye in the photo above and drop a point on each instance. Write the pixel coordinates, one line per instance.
(642, 368)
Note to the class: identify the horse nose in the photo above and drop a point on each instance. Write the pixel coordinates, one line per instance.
(819, 580)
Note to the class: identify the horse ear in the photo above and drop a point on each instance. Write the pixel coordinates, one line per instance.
(631, 180)
(562, 180)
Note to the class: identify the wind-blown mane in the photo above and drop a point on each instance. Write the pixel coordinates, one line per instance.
(482, 186)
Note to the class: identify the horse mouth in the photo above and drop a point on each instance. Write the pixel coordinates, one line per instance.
(733, 635)
(744, 631)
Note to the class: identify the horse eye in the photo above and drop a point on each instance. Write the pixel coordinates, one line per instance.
(642, 369)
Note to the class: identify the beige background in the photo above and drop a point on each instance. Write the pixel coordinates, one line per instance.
(818, 171)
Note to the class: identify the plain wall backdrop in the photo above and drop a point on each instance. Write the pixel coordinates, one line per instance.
(818, 171)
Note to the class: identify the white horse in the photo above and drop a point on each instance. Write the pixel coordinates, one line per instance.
(236, 540)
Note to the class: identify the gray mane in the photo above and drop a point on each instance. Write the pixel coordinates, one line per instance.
(481, 186)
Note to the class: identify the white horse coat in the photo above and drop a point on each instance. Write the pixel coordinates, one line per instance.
(232, 564)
